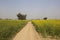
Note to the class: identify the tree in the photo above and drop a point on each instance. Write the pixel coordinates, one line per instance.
(21, 16)
(45, 18)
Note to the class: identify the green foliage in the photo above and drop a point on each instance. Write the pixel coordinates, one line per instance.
(9, 28)
(21, 16)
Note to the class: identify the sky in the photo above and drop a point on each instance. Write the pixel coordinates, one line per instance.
(35, 9)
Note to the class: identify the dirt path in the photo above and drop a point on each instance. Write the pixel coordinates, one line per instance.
(28, 33)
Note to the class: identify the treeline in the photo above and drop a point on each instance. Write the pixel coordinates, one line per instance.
(22, 17)
(6, 19)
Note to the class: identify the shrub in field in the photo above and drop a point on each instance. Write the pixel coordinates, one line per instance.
(9, 28)
(47, 27)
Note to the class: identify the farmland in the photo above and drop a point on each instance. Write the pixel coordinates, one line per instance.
(9, 28)
(47, 27)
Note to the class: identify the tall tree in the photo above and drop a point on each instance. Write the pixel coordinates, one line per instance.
(21, 16)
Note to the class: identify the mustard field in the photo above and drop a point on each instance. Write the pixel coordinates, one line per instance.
(47, 27)
(9, 28)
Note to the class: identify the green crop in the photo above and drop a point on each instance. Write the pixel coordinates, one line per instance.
(9, 28)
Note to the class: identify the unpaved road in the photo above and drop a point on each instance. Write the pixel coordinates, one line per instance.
(28, 33)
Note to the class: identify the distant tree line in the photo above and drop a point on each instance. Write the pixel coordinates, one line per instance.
(22, 17)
